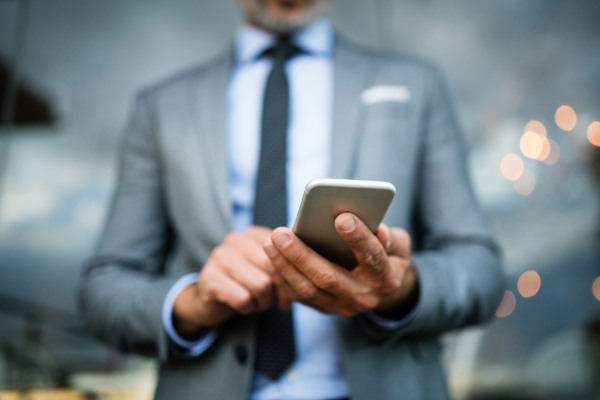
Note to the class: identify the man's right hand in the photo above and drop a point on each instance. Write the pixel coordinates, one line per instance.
(232, 281)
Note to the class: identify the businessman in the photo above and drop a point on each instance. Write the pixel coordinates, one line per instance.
(197, 266)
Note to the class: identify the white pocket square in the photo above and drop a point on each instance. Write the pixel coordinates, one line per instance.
(379, 93)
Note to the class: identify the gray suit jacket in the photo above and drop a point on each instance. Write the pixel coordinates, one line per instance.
(171, 209)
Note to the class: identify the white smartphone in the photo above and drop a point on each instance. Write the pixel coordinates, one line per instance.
(325, 199)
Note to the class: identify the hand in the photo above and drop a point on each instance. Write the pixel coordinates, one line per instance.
(232, 281)
(384, 280)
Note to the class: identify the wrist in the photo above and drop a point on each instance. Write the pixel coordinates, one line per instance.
(187, 319)
(192, 315)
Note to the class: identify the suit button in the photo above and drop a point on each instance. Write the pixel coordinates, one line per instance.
(241, 353)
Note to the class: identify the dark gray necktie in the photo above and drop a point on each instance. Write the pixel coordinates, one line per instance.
(275, 342)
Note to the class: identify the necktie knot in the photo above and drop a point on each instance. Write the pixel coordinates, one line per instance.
(283, 50)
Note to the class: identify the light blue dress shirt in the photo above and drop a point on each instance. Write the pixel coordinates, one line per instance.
(317, 373)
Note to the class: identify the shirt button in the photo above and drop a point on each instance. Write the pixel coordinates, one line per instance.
(241, 353)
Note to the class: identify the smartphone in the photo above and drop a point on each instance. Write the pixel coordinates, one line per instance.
(325, 199)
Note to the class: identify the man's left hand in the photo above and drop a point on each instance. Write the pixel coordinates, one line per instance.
(384, 280)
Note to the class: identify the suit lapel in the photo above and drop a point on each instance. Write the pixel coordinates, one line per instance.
(211, 96)
(210, 103)
(350, 78)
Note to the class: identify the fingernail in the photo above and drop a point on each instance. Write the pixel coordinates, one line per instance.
(348, 224)
(270, 250)
(281, 240)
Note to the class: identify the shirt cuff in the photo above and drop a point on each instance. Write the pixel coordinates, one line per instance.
(384, 324)
(181, 347)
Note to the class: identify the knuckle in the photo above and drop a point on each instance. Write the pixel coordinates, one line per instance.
(232, 237)
(208, 288)
(307, 291)
(392, 284)
(326, 280)
(206, 273)
(207, 277)
(219, 253)
(254, 232)
(263, 285)
(366, 303)
(374, 256)
(243, 301)
(208, 294)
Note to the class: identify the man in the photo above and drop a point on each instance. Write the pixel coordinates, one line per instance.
(218, 157)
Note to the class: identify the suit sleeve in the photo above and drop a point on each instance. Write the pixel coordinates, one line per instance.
(123, 286)
(455, 254)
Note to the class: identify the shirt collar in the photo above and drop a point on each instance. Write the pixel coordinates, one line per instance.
(316, 39)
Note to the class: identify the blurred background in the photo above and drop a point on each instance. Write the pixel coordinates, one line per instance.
(525, 76)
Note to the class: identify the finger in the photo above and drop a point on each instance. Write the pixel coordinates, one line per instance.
(384, 235)
(399, 243)
(303, 289)
(250, 248)
(331, 305)
(227, 291)
(246, 274)
(284, 297)
(259, 234)
(323, 274)
(284, 292)
(366, 247)
(252, 251)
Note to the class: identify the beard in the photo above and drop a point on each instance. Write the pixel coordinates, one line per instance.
(257, 12)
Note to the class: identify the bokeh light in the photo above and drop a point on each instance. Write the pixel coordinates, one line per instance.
(509, 301)
(554, 153)
(596, 288)
(545, 149)
(565, 118)
(593, 133)
(535, 126)
(529, 283)
(512, 166)
(531, 144)
(526, 183)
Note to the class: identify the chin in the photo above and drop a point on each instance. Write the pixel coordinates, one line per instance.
(281, 19)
